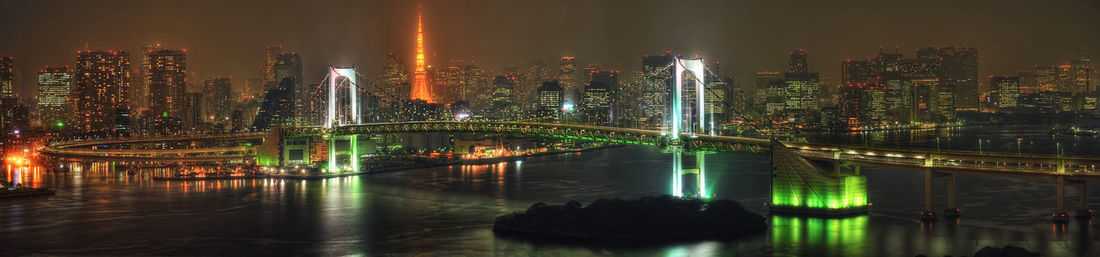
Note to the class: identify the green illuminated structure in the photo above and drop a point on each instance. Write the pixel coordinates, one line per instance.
(343, 153)
(798, 186)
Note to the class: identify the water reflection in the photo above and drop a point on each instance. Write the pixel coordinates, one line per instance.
(825, 236)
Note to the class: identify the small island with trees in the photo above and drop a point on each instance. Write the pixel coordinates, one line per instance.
(662, 217)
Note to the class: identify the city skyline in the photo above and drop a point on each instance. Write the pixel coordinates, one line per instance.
(219, 47)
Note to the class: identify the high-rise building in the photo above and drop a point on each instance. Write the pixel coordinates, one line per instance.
(1029, 83)
(195, 112)
(7, 77)
(277, 107)
(503, 104)
(14, 116)
(1082, 73)
(772, 90)
(100, 87)
(569, 78)
(956, 67)
(218, 97)
(54, 85)
(289, 65)
(1006, 91)
(168, 82)
(657, 87)
(267, 70)
(139, 93)
(421, 89)
(253, 90)
(596, 101)
(551, 97)
(798, 62)
(451, 82)
(801, 91)
(393, 81)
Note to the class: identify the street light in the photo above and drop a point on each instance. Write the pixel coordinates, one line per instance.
(1018, 142)
(979, 146)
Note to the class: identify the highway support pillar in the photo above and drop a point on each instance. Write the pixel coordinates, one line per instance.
(952, 210)
(1060, 215)
(1083, 211)
(928, 214)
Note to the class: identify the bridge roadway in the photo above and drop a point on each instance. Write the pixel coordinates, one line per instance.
(942, 161)
(551, 130)
(952, 161)
(79, 149)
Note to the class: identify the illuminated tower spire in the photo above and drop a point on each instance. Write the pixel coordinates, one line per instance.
(420, 90)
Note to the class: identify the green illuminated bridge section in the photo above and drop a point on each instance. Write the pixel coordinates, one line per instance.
(952, 161)
(968, 161)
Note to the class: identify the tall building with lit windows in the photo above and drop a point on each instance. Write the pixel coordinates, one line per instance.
(54, 84)
(217, 95)
(393, 81)
(551, 97)
(421, 89)
(569, 77)
(801, 91)
(1006, 91)
(100, 86)
(7, 77)
(957, 68)
(267, 70)
(1082, 73)
(167, 82)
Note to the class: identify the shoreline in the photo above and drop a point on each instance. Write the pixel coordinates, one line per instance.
(370, 171)
(27, 193)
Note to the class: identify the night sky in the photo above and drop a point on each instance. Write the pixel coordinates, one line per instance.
(227, 37)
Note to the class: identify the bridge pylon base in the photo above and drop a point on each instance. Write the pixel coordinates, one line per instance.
(1084, 214)
(951, 213)
(928, 215)
(1060, 218)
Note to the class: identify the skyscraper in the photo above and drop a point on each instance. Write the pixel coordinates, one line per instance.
(218, 98)
(957, 67)
(569, 78)
(657, 87)
(54, 84)
(7, 77)
(101, 83)
(801, 92)
(1006, 91)
(289, 65)
(1082, 72)
(167, 82)
(421, 89)
(596, 101)
(798, 62)
(393, 81)
(267, 70)
(139, 93)
(550, 99)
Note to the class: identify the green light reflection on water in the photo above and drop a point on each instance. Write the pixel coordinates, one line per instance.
(824, 236)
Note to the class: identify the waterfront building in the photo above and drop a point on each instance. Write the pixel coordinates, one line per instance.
(54, 85)
(167, 82)
(218, 97)
(100, 87)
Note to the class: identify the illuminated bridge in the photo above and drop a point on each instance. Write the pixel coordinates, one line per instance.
(807, 177)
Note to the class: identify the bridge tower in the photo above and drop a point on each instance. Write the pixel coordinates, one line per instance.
(687, 115)
(343, 109)
(343, 102)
